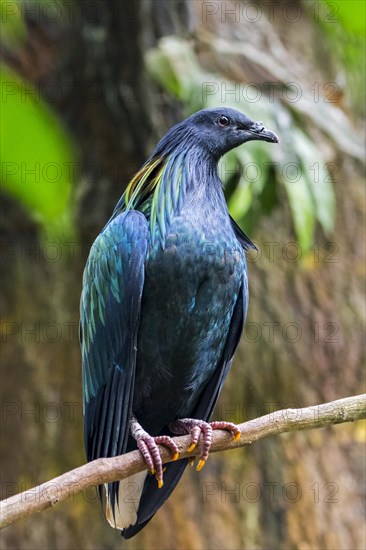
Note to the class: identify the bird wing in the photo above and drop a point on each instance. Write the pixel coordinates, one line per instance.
(110, 310)
(152, 498)
(244, 240)
(212, 390)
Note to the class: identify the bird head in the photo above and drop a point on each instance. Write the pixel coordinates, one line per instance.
(215, 131)
(205, 135)
(220, 130)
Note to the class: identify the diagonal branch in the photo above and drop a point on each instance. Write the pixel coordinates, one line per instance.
(106, 470)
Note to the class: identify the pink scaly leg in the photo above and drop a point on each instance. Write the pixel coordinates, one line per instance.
(196, 427)
(148, 447)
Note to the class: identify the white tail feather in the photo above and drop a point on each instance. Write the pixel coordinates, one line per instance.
(129, 494)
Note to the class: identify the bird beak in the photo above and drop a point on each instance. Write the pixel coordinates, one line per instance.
(259, 132)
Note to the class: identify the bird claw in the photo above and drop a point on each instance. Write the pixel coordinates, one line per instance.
(195, 428)
(229, 426)
(200, 465)
(148, 447)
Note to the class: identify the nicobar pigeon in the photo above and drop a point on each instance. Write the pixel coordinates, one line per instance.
(163, 304)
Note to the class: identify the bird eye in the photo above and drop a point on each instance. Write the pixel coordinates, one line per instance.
(223, 121)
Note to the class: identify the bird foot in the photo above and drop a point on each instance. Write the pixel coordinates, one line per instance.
(148, 447)
(196, 427)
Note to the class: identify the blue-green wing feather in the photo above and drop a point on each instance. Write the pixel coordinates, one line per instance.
(110, 310)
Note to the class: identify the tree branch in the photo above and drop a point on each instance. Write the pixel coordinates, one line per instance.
(106, 470)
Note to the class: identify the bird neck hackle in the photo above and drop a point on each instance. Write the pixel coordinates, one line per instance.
(143, 183)
(158, 190)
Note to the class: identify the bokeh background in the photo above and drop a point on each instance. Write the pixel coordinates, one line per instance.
(88, 87)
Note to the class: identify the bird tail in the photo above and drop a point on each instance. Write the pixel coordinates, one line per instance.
(153, 498)
(123, 501)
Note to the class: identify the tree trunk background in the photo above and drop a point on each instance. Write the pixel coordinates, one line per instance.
(300, 490)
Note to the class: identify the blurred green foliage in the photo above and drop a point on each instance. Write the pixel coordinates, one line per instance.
(351, 14)
(32, 137)
(11, 22)
(36, 154)
(37, 159)
(345, 31)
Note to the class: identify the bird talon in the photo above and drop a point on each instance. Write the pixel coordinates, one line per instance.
(148, 447)
(229, 426)
(201, 429)
(200, 465)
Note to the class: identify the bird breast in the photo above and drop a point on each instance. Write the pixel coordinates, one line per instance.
(191, 286)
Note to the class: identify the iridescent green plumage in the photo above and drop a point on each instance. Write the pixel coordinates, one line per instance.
(157, 190)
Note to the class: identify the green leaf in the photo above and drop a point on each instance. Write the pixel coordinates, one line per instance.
(174, 66)
(317, 178)
(302, 208)
(240, 201)
(36, 162)
(351, 14)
